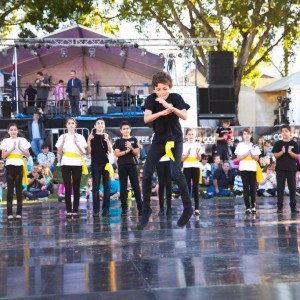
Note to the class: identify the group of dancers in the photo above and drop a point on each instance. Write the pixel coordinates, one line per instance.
(163, 109)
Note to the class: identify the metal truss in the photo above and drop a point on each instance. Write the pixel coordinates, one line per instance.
(108, 42)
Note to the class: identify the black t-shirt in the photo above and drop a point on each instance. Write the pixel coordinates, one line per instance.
(99, 150)
(286, 162)
(129, 158)
(224, 180)
(166, 128)
(221, 131)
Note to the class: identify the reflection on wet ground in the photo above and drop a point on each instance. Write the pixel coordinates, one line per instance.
(223, 254)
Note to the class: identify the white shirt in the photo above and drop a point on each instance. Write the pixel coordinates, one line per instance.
(70, 146)
(8, 144)
(241, 149)
(193, 154)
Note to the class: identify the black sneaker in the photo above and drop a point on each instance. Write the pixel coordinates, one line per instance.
(294, 211)
(75, 215)
(124, 213)
(69, 215)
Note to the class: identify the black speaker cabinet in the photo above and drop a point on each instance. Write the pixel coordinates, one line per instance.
(221, 100)
(6, 109)
(220, 70)
(203, 101)
(96, 110)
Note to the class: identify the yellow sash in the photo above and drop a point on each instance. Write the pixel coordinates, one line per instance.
(191, 159)
(168, 147)
(259, 173)
(84, 167)
(25, 171)
(109, 168)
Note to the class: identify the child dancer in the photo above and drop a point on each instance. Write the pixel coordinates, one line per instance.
(71, 146)
(164, 109)
(14, 149)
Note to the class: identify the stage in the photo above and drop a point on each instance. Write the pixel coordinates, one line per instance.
(224, 254)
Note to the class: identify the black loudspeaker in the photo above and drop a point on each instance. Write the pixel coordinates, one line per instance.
(220, 69)
(96, 110)
(203, 101)
(6, 109)
(221, 100)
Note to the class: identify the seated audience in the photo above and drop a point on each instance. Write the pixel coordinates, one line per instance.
(223, 181)
(268, 186)
(238, 185)
(46, 158)
(35, 186)
(205, 170)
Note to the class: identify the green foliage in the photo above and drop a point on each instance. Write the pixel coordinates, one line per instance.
(249, 28)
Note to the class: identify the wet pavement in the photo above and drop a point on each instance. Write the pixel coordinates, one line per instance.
(223, 254)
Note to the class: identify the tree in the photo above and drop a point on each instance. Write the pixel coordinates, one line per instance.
(43, 15)
(251, 29)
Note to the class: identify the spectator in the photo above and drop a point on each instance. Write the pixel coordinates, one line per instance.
(114, 187)
(59, 96)
(222, 134)
(268, 186)
(36, 131)
(205, 170)
(223, 181)
(74, 92)
(35, 186)
(46, 158)
(42, 84)
(30, 96)
(2, 174)
(238, 185)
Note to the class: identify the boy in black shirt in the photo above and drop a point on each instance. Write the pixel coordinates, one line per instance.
(286, 153)
(98, 147)
(126, 149)
(222, 134)
(164, 109)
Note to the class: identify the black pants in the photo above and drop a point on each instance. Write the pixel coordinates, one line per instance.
(155, 153)
(163, 171)
(222, 150)
(130, 171)
(281, 177)
(14, 176)
(71, 177)
(192, 176)
(249, 188)
(41, 103)
(99, 171)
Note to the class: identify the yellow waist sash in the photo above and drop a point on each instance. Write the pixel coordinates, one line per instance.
(84, 167)
(168, 148)
(259, 174)
(191, 159)
(109, 168)
(25, 171)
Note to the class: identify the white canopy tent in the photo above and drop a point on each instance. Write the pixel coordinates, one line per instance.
(266, 99)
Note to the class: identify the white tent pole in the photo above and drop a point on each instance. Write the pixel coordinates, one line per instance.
(16, 78)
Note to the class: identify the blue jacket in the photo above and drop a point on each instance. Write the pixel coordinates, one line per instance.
(76, 84)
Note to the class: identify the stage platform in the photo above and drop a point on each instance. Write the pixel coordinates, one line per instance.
(223, 254)
(86, 121)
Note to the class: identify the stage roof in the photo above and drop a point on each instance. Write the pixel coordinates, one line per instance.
(135, 62)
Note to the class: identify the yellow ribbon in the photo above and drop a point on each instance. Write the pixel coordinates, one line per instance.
(109, 168)
(168, 147)
(25, 170)
(84, 167)
(259, 173)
